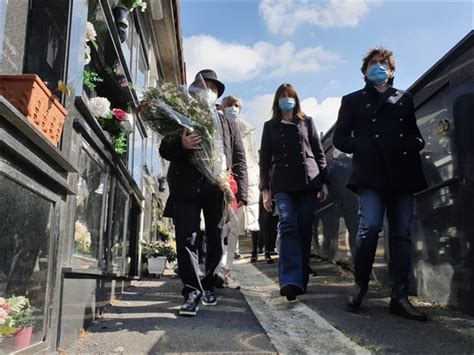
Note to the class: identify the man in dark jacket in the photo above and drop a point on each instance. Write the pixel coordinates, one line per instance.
(191, 192)
(378, 126)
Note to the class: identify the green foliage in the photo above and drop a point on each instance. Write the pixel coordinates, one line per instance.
(130, 4)
(169, 109)
(90, 79)
(120, 143)
(164, 246)
(21, 311)
(158, 248)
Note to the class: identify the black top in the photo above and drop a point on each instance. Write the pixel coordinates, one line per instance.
(291, 157)
(381, 132)
(183, 177)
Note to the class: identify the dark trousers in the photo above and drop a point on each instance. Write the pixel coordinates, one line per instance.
(187, 225)
(268, 230)
(294, 225)
(372, 206)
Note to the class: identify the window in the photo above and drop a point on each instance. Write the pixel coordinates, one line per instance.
(138, 155)
(141, 73)
(117, 243)
(148, 215)
(3, 15)
(153, 154)
(27, 221)
(437, 128)
(91, 193)
(46, 42)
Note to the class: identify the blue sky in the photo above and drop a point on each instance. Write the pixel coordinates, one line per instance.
(254, 46)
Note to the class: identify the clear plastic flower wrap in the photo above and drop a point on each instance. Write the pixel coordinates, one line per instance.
(170, 111)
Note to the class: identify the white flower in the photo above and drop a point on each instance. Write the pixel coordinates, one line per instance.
(99, 15)
(2, 301)
(100, 107)
(90, 32)
(87, 54)
(143, 6)
(3, 315)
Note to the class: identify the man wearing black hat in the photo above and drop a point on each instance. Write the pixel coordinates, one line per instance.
(190, 193)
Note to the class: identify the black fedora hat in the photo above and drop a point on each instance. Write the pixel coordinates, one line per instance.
(209, 75)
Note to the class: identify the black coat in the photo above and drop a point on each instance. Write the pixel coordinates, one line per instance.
(381, 132)
(291, 157)
(185, 180)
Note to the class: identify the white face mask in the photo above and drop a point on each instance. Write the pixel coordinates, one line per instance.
(211, 96)
(205, 94)
(232, 112)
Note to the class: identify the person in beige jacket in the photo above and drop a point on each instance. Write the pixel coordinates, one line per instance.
(246, 216)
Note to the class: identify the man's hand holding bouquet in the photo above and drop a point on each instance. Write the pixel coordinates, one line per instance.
(172, 112)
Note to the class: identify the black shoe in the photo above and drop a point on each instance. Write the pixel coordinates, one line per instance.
(190, 306)
(403, 308)
(254, 256)
(290, 292)
(237, 256)
(268, 258)
(209, 298)
(355, 298)
(220, 280)
(260, 250)
(273, 252)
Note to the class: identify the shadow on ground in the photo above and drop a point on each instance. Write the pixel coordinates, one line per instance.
(447, 331)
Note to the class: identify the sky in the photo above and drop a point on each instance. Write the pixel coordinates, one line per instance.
(317, 46)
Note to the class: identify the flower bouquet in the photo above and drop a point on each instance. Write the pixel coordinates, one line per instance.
(170, 110)
(111, 120)
(16, 320)
(158, 248)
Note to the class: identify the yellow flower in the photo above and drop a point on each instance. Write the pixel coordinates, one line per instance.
(62, 87)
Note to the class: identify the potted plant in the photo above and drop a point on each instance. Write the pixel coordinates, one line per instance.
(30, 95)
(17, 321)
(159, 252)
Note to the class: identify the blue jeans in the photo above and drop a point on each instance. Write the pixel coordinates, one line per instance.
(372, 206)
(295, 225)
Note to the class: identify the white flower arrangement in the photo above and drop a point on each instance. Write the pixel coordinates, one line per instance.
(100, 107)
(91, 34)
(82, 238)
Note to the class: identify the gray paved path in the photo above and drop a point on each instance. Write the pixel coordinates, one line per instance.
(373, 327)
(145, 321)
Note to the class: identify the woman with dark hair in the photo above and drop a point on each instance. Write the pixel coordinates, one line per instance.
(293, 170)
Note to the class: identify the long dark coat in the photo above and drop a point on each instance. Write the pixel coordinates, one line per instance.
(183, 177)
(291, 157)
(381, 132)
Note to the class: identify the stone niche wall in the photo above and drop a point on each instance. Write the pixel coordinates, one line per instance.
(13, 26)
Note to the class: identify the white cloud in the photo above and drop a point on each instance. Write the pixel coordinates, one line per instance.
(258, 110)
(235, 62)
(324, 113)
(284, 16)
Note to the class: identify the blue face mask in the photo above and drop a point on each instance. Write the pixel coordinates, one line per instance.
(287, 104)
(232, 112)
(377, 74)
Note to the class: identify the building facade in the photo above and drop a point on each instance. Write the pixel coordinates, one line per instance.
(72, 216)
